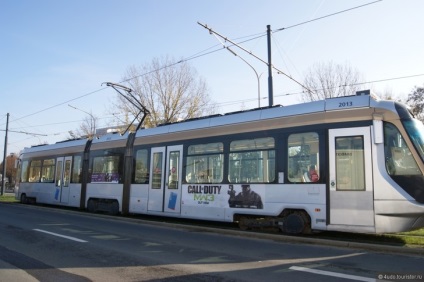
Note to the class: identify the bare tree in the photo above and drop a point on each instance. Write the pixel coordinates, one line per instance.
(388, 94)
(87, 128)
(416, 101)
(170, 90)
(329, 80)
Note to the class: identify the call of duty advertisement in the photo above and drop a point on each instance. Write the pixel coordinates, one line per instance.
(233, 196)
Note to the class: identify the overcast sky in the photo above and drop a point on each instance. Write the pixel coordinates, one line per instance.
(54, 53)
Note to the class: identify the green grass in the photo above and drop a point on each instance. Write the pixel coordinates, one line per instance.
(8, 199)
(419, 232)
(415, 237)
(412, 238)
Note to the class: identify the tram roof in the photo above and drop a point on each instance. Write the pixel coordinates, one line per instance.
(266, 113)
(70, 145)
(361, 100)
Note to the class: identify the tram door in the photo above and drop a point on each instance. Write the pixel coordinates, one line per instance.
(351, 190)
(165, 179)
(62, 178)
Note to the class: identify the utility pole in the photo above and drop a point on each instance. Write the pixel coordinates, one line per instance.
(269, 63)
(4, 156)
(270, 87)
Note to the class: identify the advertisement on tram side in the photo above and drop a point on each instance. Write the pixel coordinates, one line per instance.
(233, 196)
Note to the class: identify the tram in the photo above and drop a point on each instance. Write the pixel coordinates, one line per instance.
(352, 163)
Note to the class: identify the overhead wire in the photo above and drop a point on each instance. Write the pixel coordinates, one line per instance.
(354, 84)
(326, 16)
(201, 54)
(234, 102)
(60, 104)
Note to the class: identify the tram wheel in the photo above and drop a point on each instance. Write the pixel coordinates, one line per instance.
(24, 199)
(296, 223)
(114, 208)
(91, 205)
(243, 223)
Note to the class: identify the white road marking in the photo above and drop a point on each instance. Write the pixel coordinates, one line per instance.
(334, 274)
(63, 236)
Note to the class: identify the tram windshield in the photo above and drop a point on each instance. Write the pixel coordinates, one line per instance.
(400, 163)
(415, 130)
(399, 158)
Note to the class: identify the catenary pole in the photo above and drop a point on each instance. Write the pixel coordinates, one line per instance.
(270, 66)
(270, 87)
(4, 156)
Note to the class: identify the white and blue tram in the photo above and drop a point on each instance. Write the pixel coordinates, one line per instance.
(345, 164)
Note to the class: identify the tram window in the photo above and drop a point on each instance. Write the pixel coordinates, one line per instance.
(76, 170)
(67, 173)
(174, 169)
(399, 159)
(157, 170)
(141, 167)
(303, 157)
(205, 163)
(34, 171)
(252, 161)
(105, 169)
(24, 171)
(48, 170)
(59, 173)
(350, 163)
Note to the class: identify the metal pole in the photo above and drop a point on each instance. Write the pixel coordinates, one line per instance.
(4, 156)
(256, 73)
(92, 124)
(250, 53)
(270, 87)
(257, 77)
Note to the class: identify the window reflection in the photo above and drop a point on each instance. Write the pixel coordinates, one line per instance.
(303, 160)
(205, 163)
(252, 160)
(350, 163)
(157, 171)
(399, 159)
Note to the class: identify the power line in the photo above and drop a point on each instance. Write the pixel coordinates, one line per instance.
(255, 36)
(326, 16)
(58, 123)
(353, 84)
(24, 132)
(250, 53)
(262, 34)
(228, 103)
(60, 104)
(199, 54)
(330, 88)
(388, 79)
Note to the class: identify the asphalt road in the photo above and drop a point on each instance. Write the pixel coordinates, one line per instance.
(44, 244)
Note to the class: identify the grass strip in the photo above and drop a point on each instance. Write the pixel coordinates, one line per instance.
(413, 238)
(8, 199)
